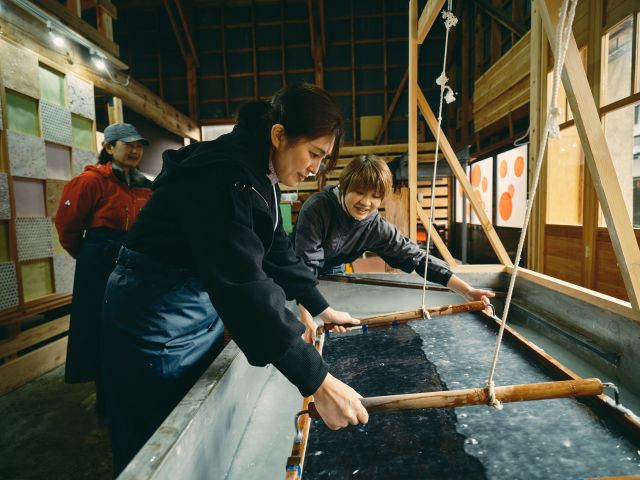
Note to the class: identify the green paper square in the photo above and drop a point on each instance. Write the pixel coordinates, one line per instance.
(22, 114)
(52, 87)
(82, 133)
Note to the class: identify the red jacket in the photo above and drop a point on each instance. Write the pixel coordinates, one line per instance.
(98, 198)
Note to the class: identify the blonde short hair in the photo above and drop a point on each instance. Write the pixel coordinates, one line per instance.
(367, 173)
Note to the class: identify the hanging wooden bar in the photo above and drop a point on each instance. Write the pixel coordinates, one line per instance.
(407, 315)
(479, 396)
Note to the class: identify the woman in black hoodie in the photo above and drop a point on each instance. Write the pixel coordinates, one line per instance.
(208, 248)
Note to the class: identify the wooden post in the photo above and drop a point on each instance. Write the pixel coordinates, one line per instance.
(590, 196)
(75, 7)
(115, 113)
(537, 107)
(478, 396)
(105, 22)
(413, 115)
(597, 156)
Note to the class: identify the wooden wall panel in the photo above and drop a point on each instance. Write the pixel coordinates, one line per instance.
(503, 87)
(563, 253)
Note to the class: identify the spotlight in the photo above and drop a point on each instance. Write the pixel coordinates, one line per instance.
(99, 63)
(57, 39)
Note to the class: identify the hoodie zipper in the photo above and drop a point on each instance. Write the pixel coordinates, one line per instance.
(267, 204)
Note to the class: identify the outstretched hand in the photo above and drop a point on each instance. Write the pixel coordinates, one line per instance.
(477, 294)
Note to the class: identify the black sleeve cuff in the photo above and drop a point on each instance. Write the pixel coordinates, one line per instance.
(438, 272)
(313, 301)
(304, 367)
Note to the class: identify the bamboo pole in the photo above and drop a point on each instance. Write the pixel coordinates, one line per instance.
(407, 315)
(479, 396)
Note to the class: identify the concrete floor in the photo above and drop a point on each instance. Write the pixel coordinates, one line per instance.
(49, 431)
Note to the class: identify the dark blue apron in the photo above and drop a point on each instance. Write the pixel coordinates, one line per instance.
(95, 262)
(160, 334)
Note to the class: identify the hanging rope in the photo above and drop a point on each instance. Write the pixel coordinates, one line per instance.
(551, 129)
(446, 94)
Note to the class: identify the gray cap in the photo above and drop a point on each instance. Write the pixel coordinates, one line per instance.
(124, 132)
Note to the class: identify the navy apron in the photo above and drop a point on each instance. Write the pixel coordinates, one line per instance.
(160, 333)
(95, 262)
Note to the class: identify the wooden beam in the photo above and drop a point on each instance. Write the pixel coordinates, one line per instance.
(502, 18)
(435, 237)
(449, 154)
(16, 27)
(598, 156)
(427, 18)
(76, 23)
(392, 107)
(413, 116)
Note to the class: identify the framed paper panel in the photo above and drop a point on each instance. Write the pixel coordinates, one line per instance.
(511, 193)
(482, 184)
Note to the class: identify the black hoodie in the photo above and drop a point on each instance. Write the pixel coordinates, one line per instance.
(214, 211)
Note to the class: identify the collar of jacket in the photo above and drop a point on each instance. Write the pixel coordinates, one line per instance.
(107, 170)
(343, 215)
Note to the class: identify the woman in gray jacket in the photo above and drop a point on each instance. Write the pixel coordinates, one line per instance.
(339, 224)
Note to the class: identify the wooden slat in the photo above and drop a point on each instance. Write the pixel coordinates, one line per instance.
(33, 336)
(457, 170)
(435, 237)
(597, 156)
(32, 365)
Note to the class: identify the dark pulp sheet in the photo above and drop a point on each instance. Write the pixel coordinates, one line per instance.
(401, 445)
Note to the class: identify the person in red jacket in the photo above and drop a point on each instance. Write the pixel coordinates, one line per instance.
(96, 210)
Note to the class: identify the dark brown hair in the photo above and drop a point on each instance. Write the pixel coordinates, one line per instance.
(366, 173)
(306, 111)
(104, 156)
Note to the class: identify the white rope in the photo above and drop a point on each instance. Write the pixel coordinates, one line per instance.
(450, 21)
(563, 35)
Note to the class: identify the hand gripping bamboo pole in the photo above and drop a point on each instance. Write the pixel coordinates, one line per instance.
(407, 315)
(479, 396)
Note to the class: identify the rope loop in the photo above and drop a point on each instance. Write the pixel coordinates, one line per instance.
(554, 122)
(450, 20)
(491, 393)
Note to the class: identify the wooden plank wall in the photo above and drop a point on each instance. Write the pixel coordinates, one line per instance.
(563, 259)
(504, 87)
